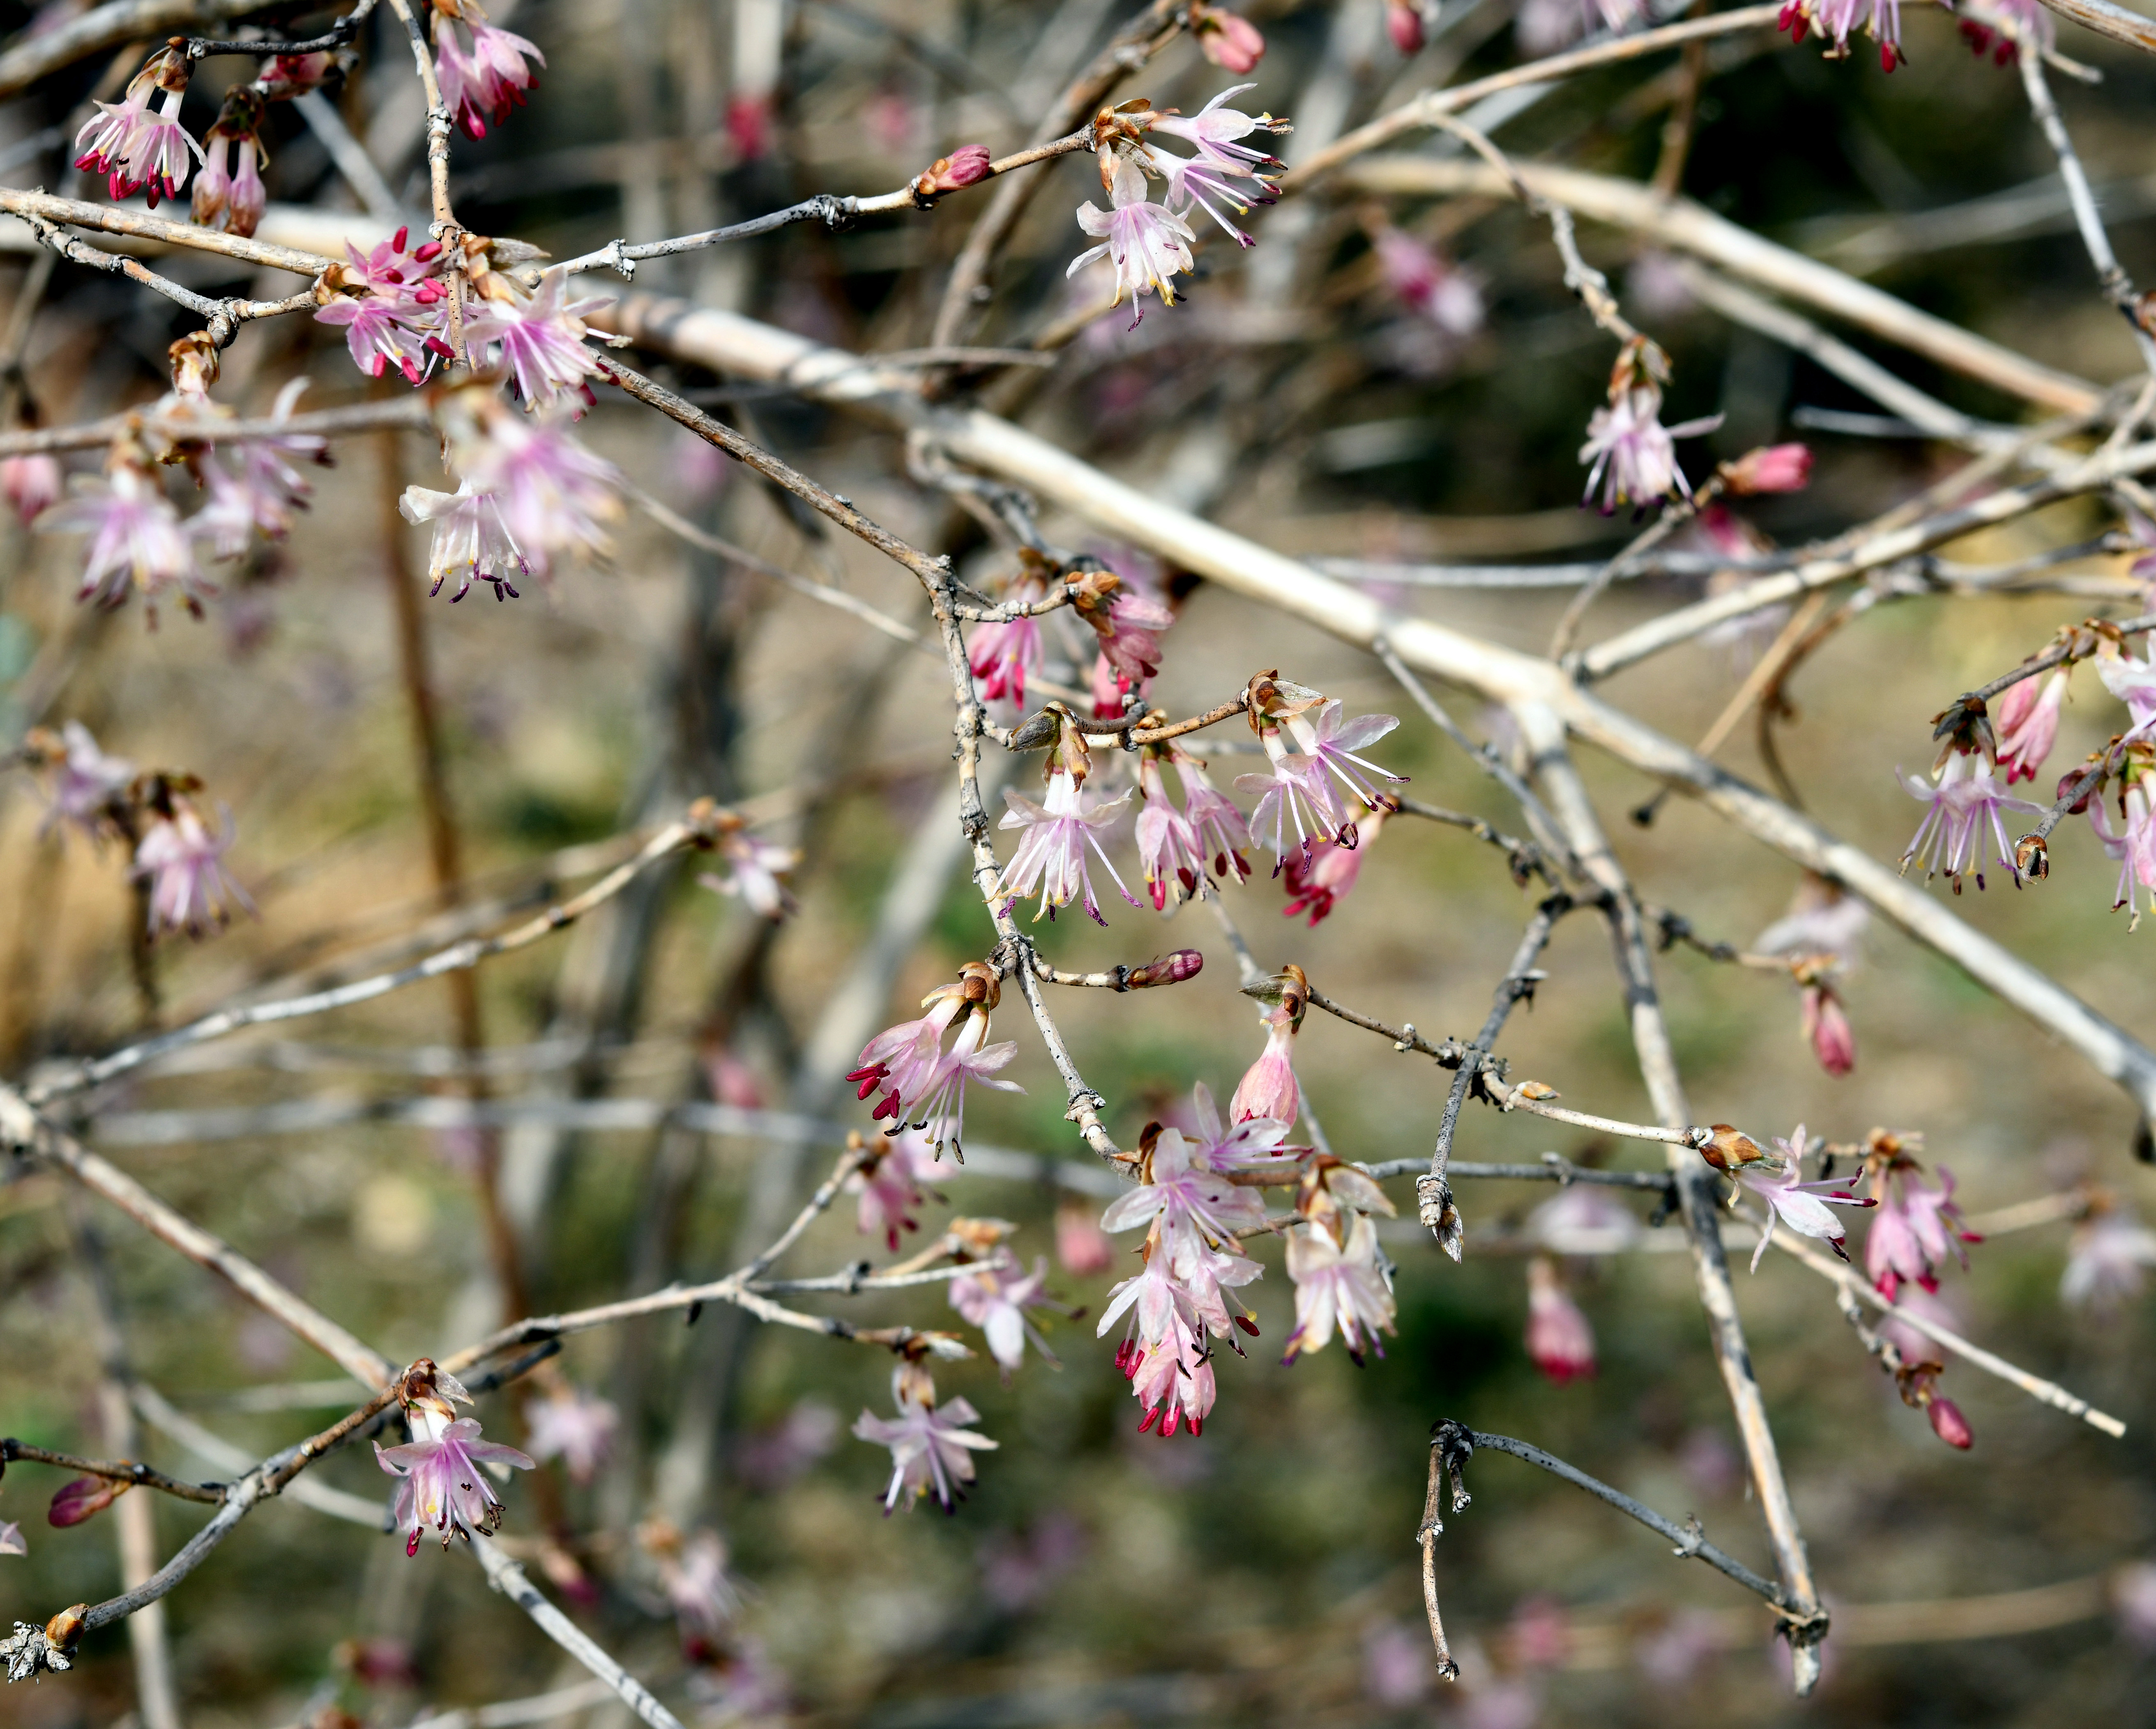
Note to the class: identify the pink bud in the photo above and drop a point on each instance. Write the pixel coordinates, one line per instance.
(2068, 782)
(1403, 24)
(963, 166)
(1560, 1338)
(1082, 1246)
(1949, 1424)
(31, 484)
(1771, 468)
(84, 1497)
(1169, 969)
(1229, 42)
(1833, 1041)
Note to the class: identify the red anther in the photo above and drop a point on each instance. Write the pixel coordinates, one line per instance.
(1174, 1421)
(396, 245)
(1150, 1417)
(1196, 1427)
(412, 1548)
(1248, 1323)
(887, 1106)
(427, 253)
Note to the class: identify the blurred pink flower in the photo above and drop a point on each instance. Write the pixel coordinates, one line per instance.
(574, 1426)
(932, 1449)
(1339, 1283)
(771, 1457)
(483, 82)
(1082, 1247)
(1397, 1666)
(84, 783)
(994, 1297)
(1559, 1339)
(753, 867)
(1915, 1230)
(2134, 1603)
(1318, 877)
(539, 341)
(1789, 1202)
(190, 889)
(891, 1190)
(32, 485)
(1826, 1027)
(2107, 1262)
(1268, 1087)
(2027, 725)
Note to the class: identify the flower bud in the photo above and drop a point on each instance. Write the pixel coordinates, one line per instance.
(1168, 969)
(83, 1499)
(1082, 1246)
(1731, 1149)
(289, 75)
(1229, 42)
(964, 167)
(31, 485)
(1949, 1424)
(195, 364)
(2032, 857)
(2068, 782)
(1771, 468)
(65, 1627)
(1403, 24)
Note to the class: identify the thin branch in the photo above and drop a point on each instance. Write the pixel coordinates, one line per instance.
(205, 48)
(222, 319)
(507, 1577)
(118, 1470)
(75, 213)
(406, 414)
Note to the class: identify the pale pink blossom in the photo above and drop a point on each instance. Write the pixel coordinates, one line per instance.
(1169, 851)
(443, 1490)
(1336, 743)
(1197, 182)
(1560, 1341)
(1145, 242)
(1397, 1667)
(1824, 919)
(2107, 1261)
(773, 1457)
(2133, 844)
(1674, 1653)
(1294, 790)
(994, 1297)
(1337, 1284)
(470, 541)
(1430, 286)
(1769, 467)
(753, 868)
(1051, 854)
(138, 148)
(86, 782)
(1163, 1354)
(1789, 1201)
(1584, 1219)
(923, 1081)
(2027, 724)
(891, 1188)
(1217, 131)
(2132, 682)
(135, 540)
(1082, 1247)
(1963, 800)
(11, 1539)
(393, 309)
(1268, 1087)
(253, 489)
(1001, 654)
(183, 862)
(32, 485)
(1634, 456)
(932, 1449)
(483, 82)
(1838, 18)
(698, 1587)
(1247, 1144)
(1915, 1230)
(539, 340)
(1185, 1204)
(228, 191)
(942, 1107)
(574, 1426)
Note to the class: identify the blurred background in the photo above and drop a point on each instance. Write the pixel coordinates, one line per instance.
(1306, 397)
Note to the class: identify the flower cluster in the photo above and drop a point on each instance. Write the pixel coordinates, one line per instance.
(137, 147)
(919, 1080)
(754, 868)
(1149, 244)
(1317, 783)
(228, 191)
(1916, 1226)
(391, 303)
(481, 82)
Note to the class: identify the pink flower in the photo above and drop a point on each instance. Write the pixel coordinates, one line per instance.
(391, 305)
(1337, 1284)
(2132, 682)
(1947, 1423)
(85, 1498)
(575, 1427)
(2144, 568)
(1963, 799)
(1584, 1219)
(444, 1490)
(1333, 742)
(485, 82)
(190, 889)
(995, 1297)
(702, 1596)
(1318, 877)
(1082, 1247)
(226, 199)
(253, 489)
(85, 782)
(754, 866)
(919, 1078)
(1216, 131)
(135, 148)
(1294, 790)
(1559, 1339)
(1827, 1029)
(1838, 17)
(1198, 183)
(1915, 1228)
(135, 538)
(943, 1105)
(1249, 1144)
(1051, 853)
(1169, 851)
(1771, 468)
(773, 1457)
(470, 540)
(1427, 285)
(1268, 1087)
(31, 484)
(1001, 654)
(1634, 455)
(1789, 1203)
(540, 341)
(2028, 724)
(1146, 243)
(1673, 1654)
(1163, 1355)
(1230, 41)
(1185, 1204)
(1824, 919)
(890, 1188)
(554, 496)
(1129, 627)
(1396, 1663)
(2133, 844)
(930, 1447)
(2105, 1265)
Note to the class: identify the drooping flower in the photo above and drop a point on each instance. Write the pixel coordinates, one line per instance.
(135, 538)
(1335, 743)
(1248, 1144)
(85, 782)
(1268, 1086)
(1146, 242)
(1169, 851)
(1215, 820)
(1082, 1247)
(1337, 1284)
(1163, 1355)
(888, 1182)
(1185, 1204)
(1789, 1201)
(2133, 844)
(2107, 1261)
(2132, 682)
(1964, 799)
(253, 489)
(136, 147)
(771, 1457)
(443, 1488)
(1317, 878)
(692, 1570)
(392, 305)
(481, 83)
(1824, 919)
(471, 541)
(1003, 654)
(1583, 1218)
(932, 1449)
(994, 1297)
(229, 194)
(1560, 1341)
(1200, 183)
(2028, 724)
(540, 341)
(574, 1426)
(554, 496)
(1051, 854)
(1837, 18)
(1294, 790)
(1634, 456)
(917, 1077)
(32, 485)
(1827, 1027)
(1915, 1228)
(753, 870)
(1428, 284)
(183, 861)
(1216, 132)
